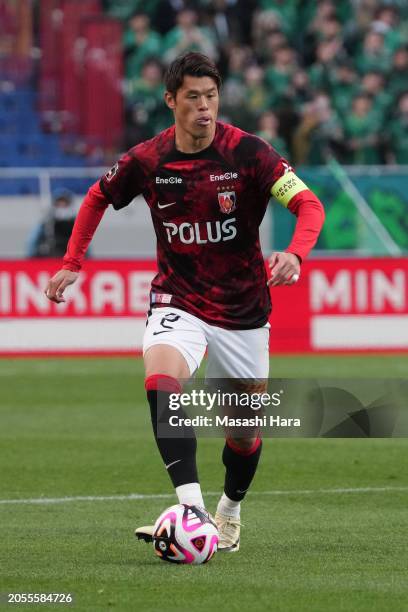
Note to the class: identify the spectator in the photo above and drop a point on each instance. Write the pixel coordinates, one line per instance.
(140, 43)
(241, 12)
(373, 84)
(145, 107)
(343, 85)
(374, 54)
(256, 94)
(265, 23)
(300, 89)
(189, 36)
(314, 14)
(240, 57)
(221, 16)
(330, 29)
(386, 22)
(227, 20)
(50, 237)
(364, 12)
(124, 9)
(319, 132)
(272, 42)
(234, 109)
(397, 133)
(327, 55)
(166, 13)
(362, 130)
(285, 13)
(398, 80)
(279, 75)
(268, 128)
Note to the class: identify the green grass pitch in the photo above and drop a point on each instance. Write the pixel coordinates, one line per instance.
(80, 427)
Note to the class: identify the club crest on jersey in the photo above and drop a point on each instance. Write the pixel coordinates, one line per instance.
(227, 201)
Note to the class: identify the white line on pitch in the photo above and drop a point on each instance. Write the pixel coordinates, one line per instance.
(137, 496)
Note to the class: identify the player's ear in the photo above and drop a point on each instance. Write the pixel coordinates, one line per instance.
(170, 100)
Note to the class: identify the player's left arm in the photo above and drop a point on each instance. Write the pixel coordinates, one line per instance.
(292, 193)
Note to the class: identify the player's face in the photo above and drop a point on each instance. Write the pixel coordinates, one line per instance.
(195, 106)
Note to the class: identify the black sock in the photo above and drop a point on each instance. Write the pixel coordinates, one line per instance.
(240, 469)
(179, 451)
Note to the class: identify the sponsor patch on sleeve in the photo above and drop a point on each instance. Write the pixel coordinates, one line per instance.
(112, 172)
(286, 187)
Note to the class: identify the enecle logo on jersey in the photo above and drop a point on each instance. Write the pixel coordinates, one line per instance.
(201, 232)
(170, 180)
(223, 177)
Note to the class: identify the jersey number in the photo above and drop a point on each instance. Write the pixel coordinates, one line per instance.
(172, 317)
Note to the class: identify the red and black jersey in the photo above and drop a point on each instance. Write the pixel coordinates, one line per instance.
(206, 209)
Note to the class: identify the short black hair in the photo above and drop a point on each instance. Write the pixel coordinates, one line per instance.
(191, 64)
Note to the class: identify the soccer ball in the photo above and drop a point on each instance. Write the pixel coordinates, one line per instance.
(185, 534)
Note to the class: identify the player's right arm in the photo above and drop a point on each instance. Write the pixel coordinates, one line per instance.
(89, 216)
(118, 187)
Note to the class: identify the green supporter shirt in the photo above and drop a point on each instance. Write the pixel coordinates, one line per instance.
(393, 39)
(342, 94)
(175, 37)
(363, 129)
(278, 83)
(152, 113)
(382, 103)
(320, 139)
(398, 138)
(319, 76)
(123, 9)
(306, 10)
(277, 143)
(287, 12)
(150, 47)
(257, 98)
(378, 61)
(398, 82)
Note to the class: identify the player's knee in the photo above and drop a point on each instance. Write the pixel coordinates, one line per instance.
(165, 360)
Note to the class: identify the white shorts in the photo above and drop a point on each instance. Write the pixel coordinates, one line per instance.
(232, 353)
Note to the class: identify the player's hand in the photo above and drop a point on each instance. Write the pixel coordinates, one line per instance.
(58, 283)
(285, 269)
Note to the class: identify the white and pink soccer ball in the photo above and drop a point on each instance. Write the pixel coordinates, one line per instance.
(185, 534)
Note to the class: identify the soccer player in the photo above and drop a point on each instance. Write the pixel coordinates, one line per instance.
(207, 185)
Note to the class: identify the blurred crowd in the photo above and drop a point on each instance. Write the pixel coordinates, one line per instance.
(312, 77)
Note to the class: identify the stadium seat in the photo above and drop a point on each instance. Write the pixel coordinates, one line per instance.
(23, 143)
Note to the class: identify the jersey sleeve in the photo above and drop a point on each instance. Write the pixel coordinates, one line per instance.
(310, 218)
(275, 175)
(89, 216)
(124, 181)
